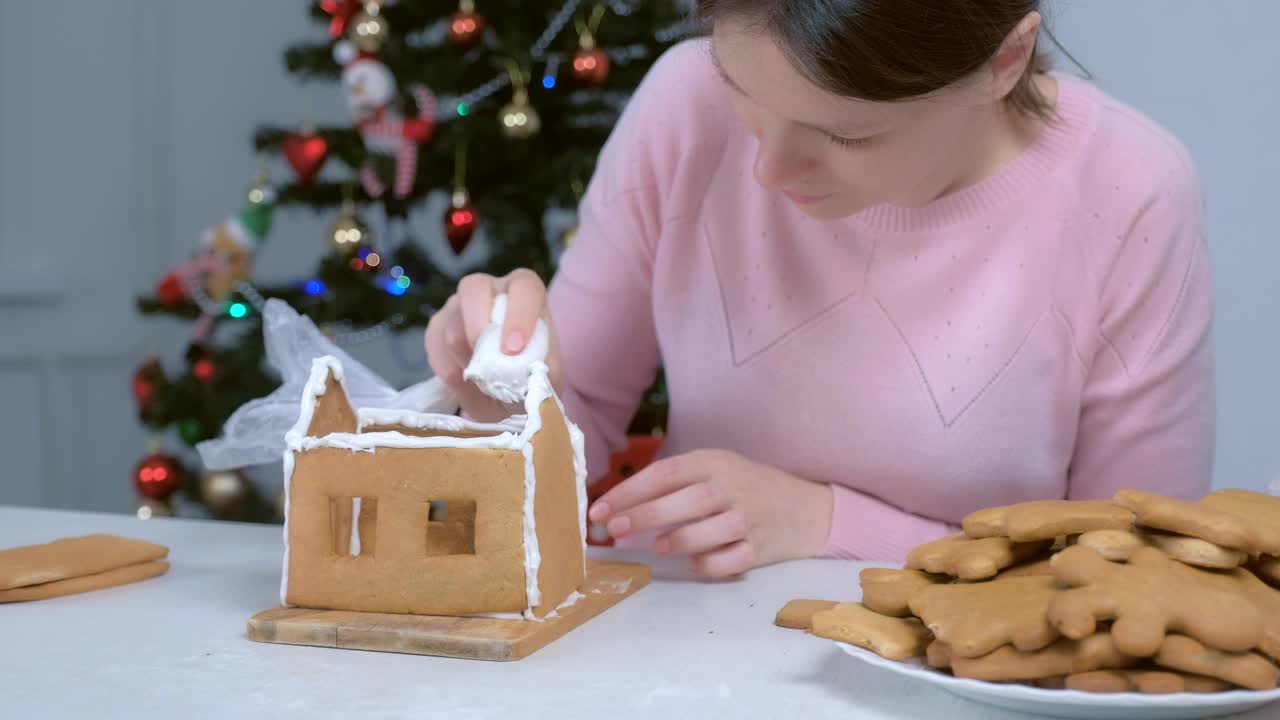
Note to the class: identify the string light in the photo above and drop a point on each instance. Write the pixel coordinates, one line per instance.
(315, 287)
(548, 82)
(462, 109)
(238, 310)
(403, 282)
(397, 271)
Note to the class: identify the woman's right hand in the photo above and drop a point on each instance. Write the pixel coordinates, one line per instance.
(452, 333)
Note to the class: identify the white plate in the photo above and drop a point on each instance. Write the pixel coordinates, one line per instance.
(1073, 703)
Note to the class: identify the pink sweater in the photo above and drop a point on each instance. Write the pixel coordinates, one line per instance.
(1042, 334)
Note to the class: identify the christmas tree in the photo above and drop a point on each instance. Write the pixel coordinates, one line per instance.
(475, 127)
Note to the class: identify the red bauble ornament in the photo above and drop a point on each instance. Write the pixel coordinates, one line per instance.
(460, 222)
(341, 11)
(158, 476)
(306, 153)
(204, 370)
(591, 65)
(466, 27)
(170, 291)
(146, 379)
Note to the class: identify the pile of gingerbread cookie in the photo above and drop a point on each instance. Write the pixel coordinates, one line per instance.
(1142, 593)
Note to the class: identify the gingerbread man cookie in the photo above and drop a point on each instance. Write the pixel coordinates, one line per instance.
(1201, 520)
(1118, 545)
(969, 559)
(1148, 597)
(974, 619)
(1246, 669)
(887, 591)
(1046, 519)
(1144, 680)
(1064, 657)
(889, 637)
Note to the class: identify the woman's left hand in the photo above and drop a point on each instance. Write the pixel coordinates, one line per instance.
(727, 513)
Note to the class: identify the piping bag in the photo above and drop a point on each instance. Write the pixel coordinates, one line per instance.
(255, 432)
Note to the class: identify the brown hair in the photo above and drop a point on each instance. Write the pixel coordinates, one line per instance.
(888, 50)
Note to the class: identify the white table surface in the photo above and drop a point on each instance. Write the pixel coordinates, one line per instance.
(174, 647)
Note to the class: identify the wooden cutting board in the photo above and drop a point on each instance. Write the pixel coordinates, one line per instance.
(607, 584)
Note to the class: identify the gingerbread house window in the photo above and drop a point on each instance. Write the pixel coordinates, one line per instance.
(451, 527)
(353, 523)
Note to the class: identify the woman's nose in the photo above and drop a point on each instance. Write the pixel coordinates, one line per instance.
(778, 163)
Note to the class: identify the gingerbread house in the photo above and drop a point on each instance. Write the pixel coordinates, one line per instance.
(402, 512)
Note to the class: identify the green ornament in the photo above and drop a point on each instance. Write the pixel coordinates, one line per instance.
(190, 431)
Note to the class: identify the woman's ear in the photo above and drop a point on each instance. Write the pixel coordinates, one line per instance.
(1010, 62)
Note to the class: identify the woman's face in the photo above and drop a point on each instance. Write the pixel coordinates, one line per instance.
(833, 156)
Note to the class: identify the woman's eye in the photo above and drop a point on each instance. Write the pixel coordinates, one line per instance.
(850, 143)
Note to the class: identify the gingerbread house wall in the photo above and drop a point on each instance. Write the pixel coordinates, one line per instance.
(396, 572)
(556, 522)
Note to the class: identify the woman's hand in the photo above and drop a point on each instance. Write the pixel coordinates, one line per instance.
(452, 333)
(727, 513)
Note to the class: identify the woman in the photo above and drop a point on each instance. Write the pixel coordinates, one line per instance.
(895, 272)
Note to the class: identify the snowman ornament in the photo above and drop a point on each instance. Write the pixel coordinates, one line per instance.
(386, 131)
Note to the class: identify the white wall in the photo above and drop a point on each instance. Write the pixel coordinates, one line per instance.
(125, 129)
(1207, 70)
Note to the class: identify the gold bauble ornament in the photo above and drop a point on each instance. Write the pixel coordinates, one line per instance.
(148, 508)
(519, 119)
(369, 29)
(349, 234)
(568, 236)
(224, 491)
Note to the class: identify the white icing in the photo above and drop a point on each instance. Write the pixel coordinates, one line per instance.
(499, 375)
(370, 442)
(321, 369)
(570, 601)
(354, 543)
(284, 574)
(369, 417)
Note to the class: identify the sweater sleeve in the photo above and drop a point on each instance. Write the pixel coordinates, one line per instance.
(867, 528)
(1147, 417)
(601, 298)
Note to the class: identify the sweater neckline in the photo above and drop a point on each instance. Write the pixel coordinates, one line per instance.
(1074, 115)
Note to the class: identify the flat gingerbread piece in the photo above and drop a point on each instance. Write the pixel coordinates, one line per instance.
(86, 583)
(1148, 597)
(73, 557)
(968, 559)
(889, 637)
(1046, 519)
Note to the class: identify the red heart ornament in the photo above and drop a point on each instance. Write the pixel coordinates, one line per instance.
(306, 153)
